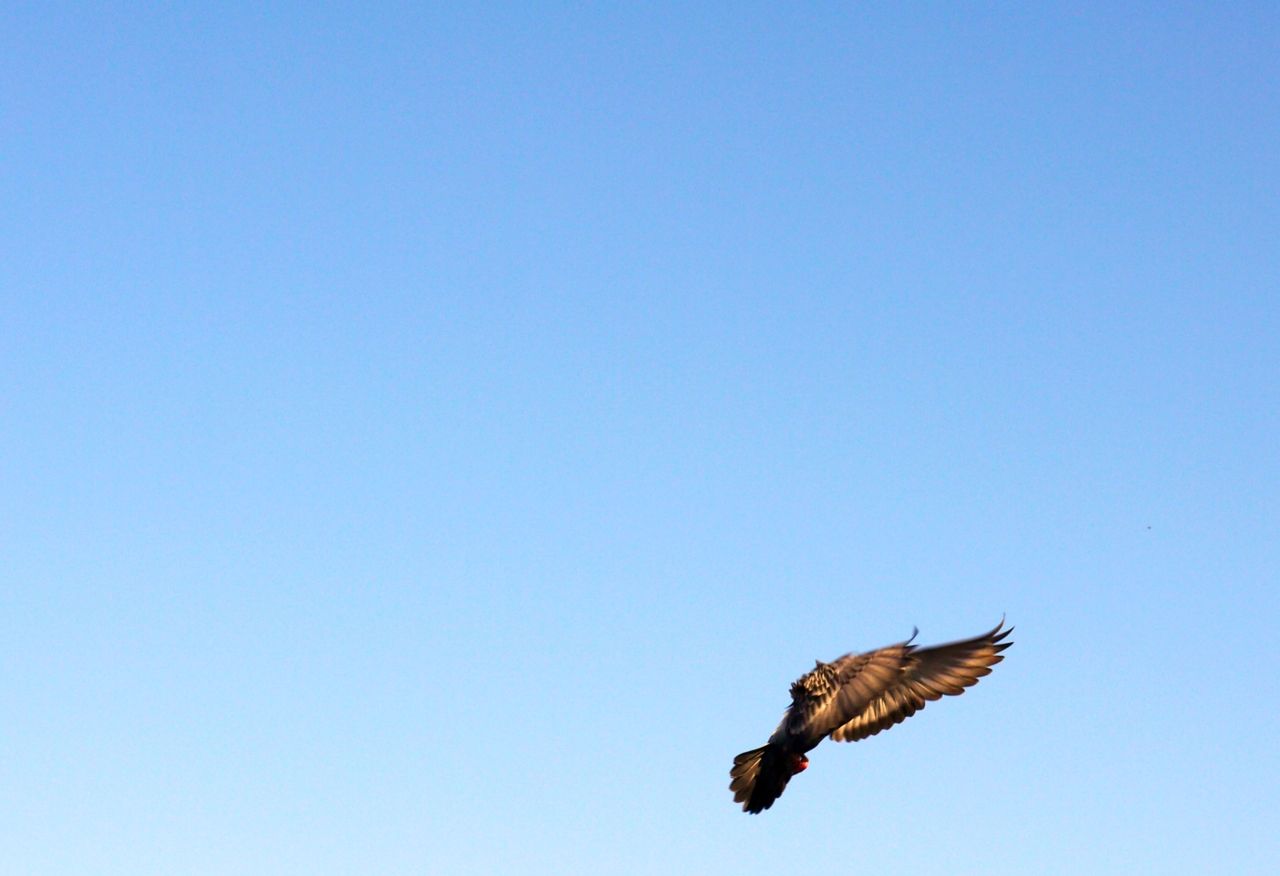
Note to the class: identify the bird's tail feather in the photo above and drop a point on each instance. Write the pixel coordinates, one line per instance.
(759, 776)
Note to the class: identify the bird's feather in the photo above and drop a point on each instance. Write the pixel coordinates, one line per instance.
(759, 777)
(926, 674)
(835, 692)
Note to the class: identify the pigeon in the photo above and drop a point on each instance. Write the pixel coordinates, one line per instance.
(856, 696)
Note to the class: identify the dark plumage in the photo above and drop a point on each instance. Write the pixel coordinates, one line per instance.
(857, 696)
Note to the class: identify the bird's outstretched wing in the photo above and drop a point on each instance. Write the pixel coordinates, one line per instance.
(925, 674)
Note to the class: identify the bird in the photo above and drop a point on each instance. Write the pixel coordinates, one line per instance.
(856, 696)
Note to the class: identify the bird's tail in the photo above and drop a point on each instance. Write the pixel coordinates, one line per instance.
(759, 776)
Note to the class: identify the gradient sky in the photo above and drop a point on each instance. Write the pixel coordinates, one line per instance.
(435, 436)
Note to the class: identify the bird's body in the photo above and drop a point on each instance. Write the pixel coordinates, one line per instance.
(857, 696)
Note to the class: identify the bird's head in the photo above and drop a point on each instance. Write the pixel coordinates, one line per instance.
(799, 763)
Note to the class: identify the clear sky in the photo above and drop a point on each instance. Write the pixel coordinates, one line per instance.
(435, 436)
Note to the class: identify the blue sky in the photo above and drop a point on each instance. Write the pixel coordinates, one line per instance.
(437, 436)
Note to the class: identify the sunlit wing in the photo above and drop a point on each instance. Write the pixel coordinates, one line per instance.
(927, 674)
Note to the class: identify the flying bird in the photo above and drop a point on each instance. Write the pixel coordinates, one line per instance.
(856, 696)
